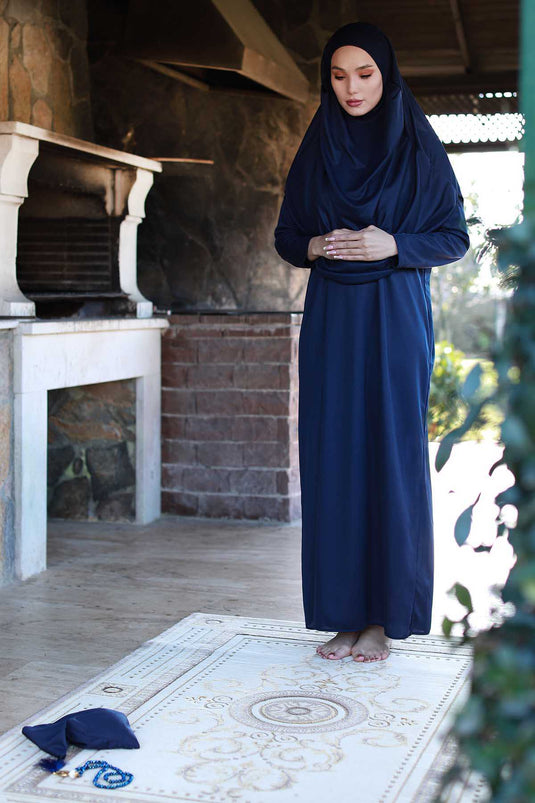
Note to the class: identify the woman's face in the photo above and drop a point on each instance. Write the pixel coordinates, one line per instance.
(355, 77)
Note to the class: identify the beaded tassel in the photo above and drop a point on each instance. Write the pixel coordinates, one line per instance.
(107, 777)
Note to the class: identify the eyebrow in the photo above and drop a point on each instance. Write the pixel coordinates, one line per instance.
(334, 67)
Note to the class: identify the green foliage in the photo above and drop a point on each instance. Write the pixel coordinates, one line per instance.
(495, 730)
(469, 295)
(444, 393)
(455, 380)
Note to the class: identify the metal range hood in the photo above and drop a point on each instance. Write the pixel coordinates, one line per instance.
(212, 44)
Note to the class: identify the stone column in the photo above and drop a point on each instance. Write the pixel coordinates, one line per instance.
(135, 205)
(17, 155)
(229, 423)
(7, 505)
(148, 447)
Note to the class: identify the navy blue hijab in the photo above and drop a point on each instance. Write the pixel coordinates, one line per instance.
(386, 168)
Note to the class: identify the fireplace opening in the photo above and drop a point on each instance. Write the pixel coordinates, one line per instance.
(91, 452)
(68, 266)
(68, 236)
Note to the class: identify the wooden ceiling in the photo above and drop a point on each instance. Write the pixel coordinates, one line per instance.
(452, 51)
(458, 56)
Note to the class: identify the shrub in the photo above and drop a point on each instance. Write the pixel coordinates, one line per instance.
(447, 403)
(444, 394)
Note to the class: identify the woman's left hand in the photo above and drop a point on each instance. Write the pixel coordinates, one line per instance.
(370, 243)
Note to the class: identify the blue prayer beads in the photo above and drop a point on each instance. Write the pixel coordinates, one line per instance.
(108, 776)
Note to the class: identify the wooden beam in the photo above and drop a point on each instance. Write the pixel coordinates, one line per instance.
(481, 147)
(461, 34)
(178, 75)
(432, 69)
(440, 61)
(183, 160)
(467, 82)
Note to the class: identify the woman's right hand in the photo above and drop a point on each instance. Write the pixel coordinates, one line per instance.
(316, 247)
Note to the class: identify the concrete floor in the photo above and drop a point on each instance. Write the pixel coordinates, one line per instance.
(110, 587)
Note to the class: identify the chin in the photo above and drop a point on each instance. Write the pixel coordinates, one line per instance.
(356, 111)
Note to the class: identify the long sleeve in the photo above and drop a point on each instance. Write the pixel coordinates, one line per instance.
(431, 249)
(448, 242)
(290, 241)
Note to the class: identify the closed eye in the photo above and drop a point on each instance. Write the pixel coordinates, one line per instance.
(341, 77)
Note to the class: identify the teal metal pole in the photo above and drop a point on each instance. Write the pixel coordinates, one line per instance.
(527, 101)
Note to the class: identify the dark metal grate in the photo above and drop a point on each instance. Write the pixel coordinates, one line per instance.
(74, 255)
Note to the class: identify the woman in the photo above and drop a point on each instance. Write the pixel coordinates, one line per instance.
(371, 204)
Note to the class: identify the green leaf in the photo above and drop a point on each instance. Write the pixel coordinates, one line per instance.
(463, 595)
(447, 624)
(472, 382)
(464, 523)
(444, 450)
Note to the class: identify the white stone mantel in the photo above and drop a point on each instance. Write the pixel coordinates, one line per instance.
(20, 146)
(57, 354)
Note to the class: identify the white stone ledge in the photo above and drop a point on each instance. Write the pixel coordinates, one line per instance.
(62, 326)
(110, 155)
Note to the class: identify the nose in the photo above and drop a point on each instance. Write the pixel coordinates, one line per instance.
(353, 84)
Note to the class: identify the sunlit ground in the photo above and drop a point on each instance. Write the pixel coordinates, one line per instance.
(455, 487)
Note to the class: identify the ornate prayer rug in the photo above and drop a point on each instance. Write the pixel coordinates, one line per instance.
(230, 708)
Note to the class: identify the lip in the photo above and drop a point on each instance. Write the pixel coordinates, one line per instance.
(354, 102)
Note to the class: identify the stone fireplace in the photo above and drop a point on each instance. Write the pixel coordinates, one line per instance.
(59, 354)
(72, 314)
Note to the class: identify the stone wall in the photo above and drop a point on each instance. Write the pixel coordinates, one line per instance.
(91, 451)
(7, 508)
(230, 395)
(43, 54)
(207, 239)
(229, 416)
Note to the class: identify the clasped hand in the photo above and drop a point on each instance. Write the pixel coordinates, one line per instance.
(370, 243)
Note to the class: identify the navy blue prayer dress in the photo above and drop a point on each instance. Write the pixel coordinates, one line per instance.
(366, 350)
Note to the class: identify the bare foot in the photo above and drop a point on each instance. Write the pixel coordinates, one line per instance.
(339, 646)
(372, 645)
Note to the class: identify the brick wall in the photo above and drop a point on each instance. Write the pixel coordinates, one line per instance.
(229, 416)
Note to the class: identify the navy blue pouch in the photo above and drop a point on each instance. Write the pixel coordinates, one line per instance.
(99, 728)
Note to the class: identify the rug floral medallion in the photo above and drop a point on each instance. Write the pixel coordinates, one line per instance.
(229, 708)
